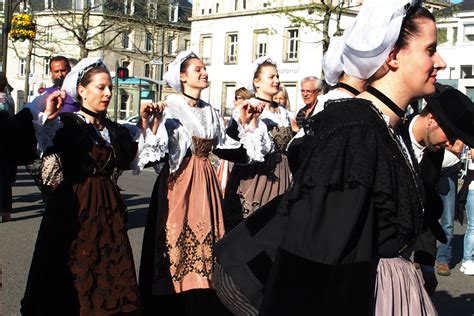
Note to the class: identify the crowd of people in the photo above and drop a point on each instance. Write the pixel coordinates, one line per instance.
(331, 209)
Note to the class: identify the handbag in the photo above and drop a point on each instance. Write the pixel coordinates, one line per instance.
(51, 172)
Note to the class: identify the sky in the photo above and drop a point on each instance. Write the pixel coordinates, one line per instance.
(456, 1)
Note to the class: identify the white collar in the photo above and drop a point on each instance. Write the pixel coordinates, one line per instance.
(418, 149)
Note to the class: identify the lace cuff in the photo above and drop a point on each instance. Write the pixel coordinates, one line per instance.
(151, 148)
(44, 130)
(257, 143)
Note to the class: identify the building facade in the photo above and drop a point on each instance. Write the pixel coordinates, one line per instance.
(230, 35)
(456, 46)
(143, 36)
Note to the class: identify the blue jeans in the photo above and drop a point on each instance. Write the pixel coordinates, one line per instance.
(469, 235)
(444, 253)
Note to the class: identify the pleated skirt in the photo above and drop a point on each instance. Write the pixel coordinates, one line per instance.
(399, 290)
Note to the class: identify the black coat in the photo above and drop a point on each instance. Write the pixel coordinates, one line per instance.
(429, 170)
(17, 138)
(354, 200)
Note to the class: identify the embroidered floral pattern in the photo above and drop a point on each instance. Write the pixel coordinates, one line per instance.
(188, 254)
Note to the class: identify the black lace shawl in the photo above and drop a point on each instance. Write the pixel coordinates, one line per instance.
(74, 141)
(354, 197)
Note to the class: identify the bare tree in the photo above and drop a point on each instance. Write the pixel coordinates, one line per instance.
(318, 18)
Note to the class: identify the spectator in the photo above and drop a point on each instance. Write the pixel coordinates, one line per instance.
(466, 203)
(59, 67)
(282, 99)
(429, 136)
(310, 89)
(7, 166)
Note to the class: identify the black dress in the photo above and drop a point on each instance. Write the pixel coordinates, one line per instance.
(82, 263)
(355, 199)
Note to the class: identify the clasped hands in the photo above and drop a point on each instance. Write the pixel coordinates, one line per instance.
(250, 111)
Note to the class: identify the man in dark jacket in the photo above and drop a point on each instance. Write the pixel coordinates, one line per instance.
(447, 117)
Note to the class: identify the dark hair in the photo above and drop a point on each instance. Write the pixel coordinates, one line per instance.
(87, 77)
(411, 27)
(3, 81)
(60, 59)
(185, 64)
(243, 93)
(259, 68)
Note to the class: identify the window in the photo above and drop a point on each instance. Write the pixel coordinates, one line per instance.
(126, 39)
(466, 72)
(21, 69)
(48, 4)
(291, 44)
(260, 40)
(244, 4)
(171, 44)
(205, 48)
(48, 33)
(173, 13)
(455, 35)
(187, 44)
(228, 89)
(148, 42)
(123, 113)
(236, 5)
(217, 7)
(2, 6)
(231, 48)
(469, 33)
(442, 35)
(46, 66)
(129, 7)
(470, 93)
(147, 71)
(151, 8)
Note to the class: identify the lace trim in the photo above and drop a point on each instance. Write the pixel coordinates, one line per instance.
(257, 143)
(150, 148)
(45, 131)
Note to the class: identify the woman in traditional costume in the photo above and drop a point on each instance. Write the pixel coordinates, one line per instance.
(83, 263)
(185, 214)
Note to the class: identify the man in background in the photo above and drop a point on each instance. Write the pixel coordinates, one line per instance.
(310, 89)
(59, 67)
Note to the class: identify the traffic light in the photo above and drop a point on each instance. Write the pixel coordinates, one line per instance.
(122, 73)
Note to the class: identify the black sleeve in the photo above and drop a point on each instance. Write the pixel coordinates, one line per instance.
(425, 249)
(238, 155)
(122, 141)
(18, 140)
(293, 153)
(232, 130)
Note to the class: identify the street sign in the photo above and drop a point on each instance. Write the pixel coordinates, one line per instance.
(156, 62)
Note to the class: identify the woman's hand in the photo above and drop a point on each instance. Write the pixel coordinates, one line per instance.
(54, 103)
(151, 110)
(250, 111)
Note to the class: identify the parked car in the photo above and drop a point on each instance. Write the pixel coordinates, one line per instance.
(130, 120)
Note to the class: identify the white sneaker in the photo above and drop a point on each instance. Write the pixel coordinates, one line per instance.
(467, 267)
